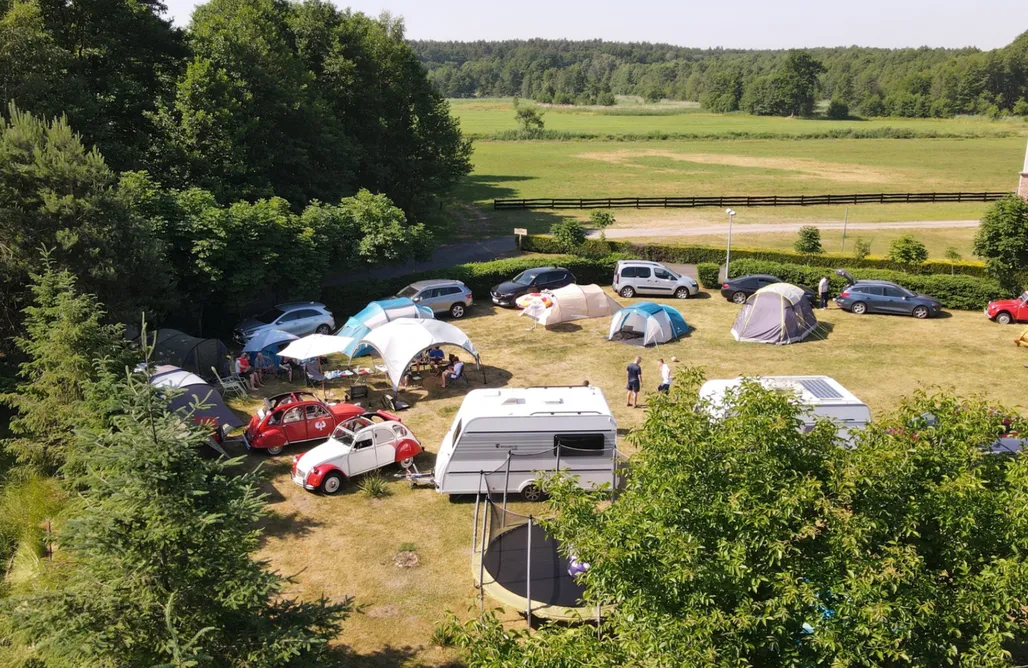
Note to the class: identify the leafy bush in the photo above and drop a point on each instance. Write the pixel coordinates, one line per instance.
(861, 248)
(708, 274)
(689, 254)
(1002, 239)
(606, 99)
(601, 219)
(529, 118)
(808, 240)
(837, 110)
(907, 250)
(373, 486)
(568, 234)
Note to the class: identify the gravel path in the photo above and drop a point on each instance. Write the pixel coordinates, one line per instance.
(763, 228)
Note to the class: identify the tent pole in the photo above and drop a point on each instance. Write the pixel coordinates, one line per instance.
(481, 562)
(528, 576)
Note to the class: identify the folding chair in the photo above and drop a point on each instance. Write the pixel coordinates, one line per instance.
(230, 383)
(393, 403)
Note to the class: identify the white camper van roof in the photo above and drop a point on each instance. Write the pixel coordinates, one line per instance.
(809, 390)
(514, 401)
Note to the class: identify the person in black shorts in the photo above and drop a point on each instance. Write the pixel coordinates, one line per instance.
(635, 374)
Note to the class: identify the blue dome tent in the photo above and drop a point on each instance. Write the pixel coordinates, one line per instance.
(654, 323)
(375, 315)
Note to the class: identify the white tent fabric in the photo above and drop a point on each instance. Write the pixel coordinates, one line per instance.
(400, 341)
(315, 345)
(577, 302)
(177, 378)
(267, 337)
(655, 327)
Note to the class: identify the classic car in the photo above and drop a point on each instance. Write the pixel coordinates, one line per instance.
(1006, 311)
(358, 445)
(295, 417)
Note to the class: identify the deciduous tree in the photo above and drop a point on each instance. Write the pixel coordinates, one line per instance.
(1002, 241)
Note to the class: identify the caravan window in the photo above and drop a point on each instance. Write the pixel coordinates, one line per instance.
(578, 445)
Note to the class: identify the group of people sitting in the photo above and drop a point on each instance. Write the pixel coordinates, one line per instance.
(254, 372)
(435, 361)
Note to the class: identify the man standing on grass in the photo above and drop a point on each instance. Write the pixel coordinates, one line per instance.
(665, 377)
(822, 292)
(635, 376)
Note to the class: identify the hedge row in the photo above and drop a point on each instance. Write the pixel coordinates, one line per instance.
(659, 135)
(345, 300)
(688, 254)
(952, 290)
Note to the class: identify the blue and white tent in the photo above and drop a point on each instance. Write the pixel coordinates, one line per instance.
(268, 341)
(655, 323)
(375, 315)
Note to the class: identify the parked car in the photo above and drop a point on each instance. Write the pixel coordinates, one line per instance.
(299, 318)
(530, 280)
(740, 288)
(294, 417)
(1006, 311)
(862, 297)
(633, 277)
(441, 295)
(357, 445)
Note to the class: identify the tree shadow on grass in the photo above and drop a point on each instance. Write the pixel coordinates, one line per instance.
(279, 525)
(387, 657)
(478, 190)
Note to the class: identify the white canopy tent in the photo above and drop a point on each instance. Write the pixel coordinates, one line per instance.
(576, 302)
(399, 342)
(315, 345)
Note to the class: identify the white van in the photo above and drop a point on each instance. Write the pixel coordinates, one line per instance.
(821, 396)
(632, 277)
(500, 439)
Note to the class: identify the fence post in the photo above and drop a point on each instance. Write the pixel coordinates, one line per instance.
(528, 576)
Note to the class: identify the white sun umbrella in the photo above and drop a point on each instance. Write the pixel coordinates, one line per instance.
(315, 345)
(400, 341)
(268, 337)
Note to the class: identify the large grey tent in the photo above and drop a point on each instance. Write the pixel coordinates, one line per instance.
(190, 353)
(778, 313)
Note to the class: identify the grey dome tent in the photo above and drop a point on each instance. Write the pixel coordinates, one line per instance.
(190, 352)
(778, 313)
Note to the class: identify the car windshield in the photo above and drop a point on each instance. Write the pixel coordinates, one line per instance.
(1024, 296)
(343, 435)
(345, 432)
(407, 292)
(270, 316)
(524, 278)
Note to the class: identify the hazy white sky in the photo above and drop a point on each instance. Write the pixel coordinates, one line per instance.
(750, 24)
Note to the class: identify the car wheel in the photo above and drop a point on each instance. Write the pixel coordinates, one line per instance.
(277, 450)
(627, 292)
(1004, 318)
(860, 308)
(532, 493)
(682, 293)
(457, 310)
(407, 463)
(332, 483)
(739, 297)
(920, 312)
(323, 329)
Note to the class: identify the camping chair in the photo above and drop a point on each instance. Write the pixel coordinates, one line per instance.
(230, 383)
(461, 377)
(313, 375)
(394, 403)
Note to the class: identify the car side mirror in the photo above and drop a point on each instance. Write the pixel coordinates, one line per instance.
(416, 299)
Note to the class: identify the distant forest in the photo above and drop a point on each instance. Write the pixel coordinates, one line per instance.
(921, 82)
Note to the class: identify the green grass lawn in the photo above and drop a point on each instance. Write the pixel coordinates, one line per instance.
(345, 545)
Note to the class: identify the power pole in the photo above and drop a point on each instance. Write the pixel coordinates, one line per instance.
(845, 219)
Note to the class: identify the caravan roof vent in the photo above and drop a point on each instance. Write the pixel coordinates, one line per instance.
(513, 400)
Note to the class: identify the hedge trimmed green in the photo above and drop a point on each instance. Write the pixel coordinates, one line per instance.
(708, 275)
(345, 300)
(688, 254)
(952, 290)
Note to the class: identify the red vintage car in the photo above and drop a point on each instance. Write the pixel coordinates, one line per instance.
(295, 417)
(1006, 311)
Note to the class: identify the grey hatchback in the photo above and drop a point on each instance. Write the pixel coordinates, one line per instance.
(440, 295)
(862, 297)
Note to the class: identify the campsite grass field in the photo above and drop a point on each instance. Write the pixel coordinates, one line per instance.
(344, 545)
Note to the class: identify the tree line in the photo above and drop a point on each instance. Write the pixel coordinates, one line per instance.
(922, 82)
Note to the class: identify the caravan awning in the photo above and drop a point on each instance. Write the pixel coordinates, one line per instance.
(400, 341)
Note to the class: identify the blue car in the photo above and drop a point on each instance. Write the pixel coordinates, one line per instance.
(862, 297)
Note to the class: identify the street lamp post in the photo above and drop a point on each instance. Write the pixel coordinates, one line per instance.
(728, 255)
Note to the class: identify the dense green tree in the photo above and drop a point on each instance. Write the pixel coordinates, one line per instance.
(837, 110)
(907, 249)
(529, 118)
(808, 240)
(568, 235)
(743, 539)
(1002, 241)
(156, 562)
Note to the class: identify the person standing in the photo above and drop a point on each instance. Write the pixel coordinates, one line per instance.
(665, 377)
(635, 374)
(822, 291)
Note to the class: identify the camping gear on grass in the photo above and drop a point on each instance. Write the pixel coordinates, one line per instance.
(778, 313)
(647, 322)
(576, 302)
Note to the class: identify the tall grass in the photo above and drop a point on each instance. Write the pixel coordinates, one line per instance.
(657, 135)
(27, 501)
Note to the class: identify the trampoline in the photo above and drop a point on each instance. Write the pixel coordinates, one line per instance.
(507, 565)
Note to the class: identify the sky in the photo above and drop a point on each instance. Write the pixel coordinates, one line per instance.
(748, 24)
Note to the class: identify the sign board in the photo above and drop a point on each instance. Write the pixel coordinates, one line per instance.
(520, 231)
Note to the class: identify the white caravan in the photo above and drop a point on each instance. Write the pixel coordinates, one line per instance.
(820, 396)
(502, 438)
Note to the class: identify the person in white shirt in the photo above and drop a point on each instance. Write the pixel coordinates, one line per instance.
(454, 371)
(822, 292)
(665, 376)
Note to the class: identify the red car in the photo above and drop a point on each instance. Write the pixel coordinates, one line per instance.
(295, 417)
(1006, 311)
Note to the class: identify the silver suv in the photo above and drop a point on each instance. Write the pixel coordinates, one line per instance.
(298, 318)
(440, 295)
(632, 277)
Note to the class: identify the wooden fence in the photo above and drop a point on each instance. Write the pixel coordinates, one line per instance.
(741, 201)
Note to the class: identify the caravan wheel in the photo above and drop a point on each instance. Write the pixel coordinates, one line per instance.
(532, 493)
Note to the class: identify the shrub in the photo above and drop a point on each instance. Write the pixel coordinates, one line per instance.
(808, 240)
(569, 235)
(654, 94)
(908, 250)
(861, 248)
(563, 98)
(606, 99)
(373, 486)
(837, 110)
(601, 219)
(1020, 107)
(708, 274)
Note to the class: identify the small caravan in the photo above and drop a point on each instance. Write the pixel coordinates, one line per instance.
(500, 440)
(821, 396)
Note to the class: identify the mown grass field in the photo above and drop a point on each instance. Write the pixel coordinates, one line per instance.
(345, 545)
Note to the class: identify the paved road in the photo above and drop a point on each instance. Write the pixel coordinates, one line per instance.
(449, 255)
(762, 228)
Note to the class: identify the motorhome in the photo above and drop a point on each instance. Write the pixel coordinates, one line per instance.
(820, 396)
(501, 439)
